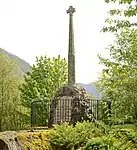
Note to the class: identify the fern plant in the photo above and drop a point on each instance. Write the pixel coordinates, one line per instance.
(69, 137)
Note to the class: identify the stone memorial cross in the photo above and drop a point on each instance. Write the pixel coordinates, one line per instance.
(71, 52)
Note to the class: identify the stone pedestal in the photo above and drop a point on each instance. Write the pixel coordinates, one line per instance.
(70, 105)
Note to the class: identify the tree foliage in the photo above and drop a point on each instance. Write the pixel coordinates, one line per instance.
(118, 81)
(122, 16)
(41, 83)
(9, 93)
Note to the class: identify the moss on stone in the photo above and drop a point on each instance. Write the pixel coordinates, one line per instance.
(35, 140)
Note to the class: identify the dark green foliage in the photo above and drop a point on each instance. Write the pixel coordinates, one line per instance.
(105, 112)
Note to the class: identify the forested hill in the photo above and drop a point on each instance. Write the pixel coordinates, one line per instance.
(23, 64)
(90, 88)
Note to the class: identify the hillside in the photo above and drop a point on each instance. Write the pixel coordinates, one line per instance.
(23, 64)
(90, 88)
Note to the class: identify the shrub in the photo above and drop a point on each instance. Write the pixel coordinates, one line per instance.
(84, 136)
(69, 137)
(122, 120)
(117, 139)
(103, 143)
(127, 137)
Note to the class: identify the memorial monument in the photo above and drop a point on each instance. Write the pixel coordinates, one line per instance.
(70, 104)
(71, 50)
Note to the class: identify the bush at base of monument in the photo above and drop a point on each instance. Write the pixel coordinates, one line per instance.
(84, 136)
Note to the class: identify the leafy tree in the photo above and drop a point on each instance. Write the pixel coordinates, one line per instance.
(9, 93)
(41, 83)
(122, 16)
(118, 81)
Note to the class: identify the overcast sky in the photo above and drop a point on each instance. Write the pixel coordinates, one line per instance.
(30, 28)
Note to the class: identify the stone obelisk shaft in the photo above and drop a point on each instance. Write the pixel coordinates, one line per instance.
(71, 51)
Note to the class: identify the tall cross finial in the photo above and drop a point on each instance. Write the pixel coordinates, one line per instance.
(71, 52)
(71, 10)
